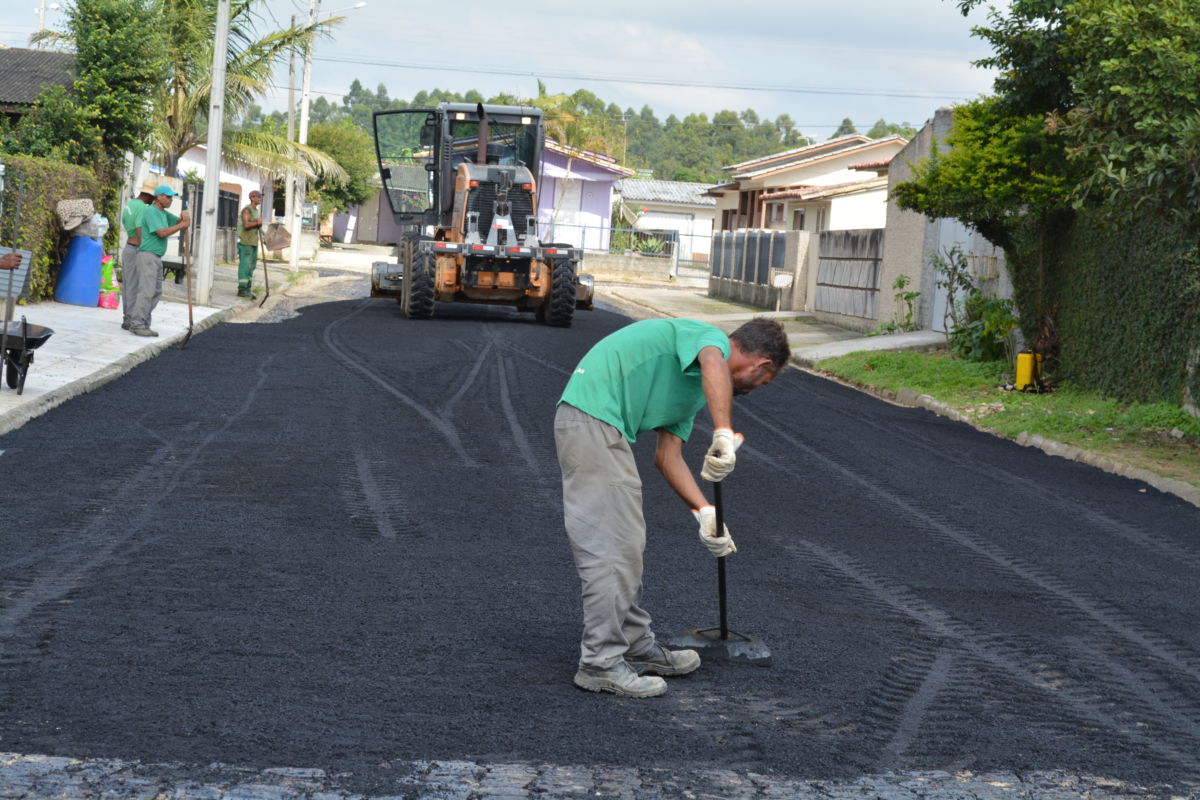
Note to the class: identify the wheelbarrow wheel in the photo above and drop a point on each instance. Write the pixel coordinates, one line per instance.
(12, 376)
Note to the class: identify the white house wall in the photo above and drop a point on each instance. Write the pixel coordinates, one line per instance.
(246, 177)
(694, 225)
(859, 210)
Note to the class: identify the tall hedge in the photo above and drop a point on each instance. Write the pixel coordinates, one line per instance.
(33, 186)
(1129, 308)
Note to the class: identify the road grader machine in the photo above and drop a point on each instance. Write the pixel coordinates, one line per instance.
(461, 180)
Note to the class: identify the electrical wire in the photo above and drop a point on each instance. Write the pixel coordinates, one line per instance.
(629, 79)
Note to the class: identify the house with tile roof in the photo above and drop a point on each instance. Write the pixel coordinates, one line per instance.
(831, 185)
(23, 74)
(575, 196)
(811, 216)
(683, 207)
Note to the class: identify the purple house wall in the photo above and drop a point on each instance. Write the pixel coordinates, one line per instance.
(575, 196)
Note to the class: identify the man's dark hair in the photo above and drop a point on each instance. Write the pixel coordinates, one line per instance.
(765, 338)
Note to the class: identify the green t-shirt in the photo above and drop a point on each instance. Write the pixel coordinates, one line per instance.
(155, 219)
(645, 376)
(249, 236)
(131, 217)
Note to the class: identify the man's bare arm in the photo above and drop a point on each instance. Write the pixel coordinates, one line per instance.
(718, 386)
(668, 457)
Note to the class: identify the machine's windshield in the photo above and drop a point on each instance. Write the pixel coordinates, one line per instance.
(508, 144)
(406, 142)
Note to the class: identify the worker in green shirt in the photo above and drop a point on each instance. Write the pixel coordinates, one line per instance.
(653, 375)
(249, 225)
(131, 221)
(143, 284)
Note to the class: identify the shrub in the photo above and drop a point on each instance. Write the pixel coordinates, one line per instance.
(33, 186)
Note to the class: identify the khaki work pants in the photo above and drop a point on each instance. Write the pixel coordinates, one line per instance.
(143, 287)
(602, 509)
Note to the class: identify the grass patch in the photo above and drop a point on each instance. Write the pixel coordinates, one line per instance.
(1145, 435)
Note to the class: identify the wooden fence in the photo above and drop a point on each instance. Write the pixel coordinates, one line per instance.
(848, 272)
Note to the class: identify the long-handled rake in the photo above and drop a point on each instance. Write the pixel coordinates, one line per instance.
(187, 274)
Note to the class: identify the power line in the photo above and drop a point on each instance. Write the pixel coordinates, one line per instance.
(797, 126)
(824, 90)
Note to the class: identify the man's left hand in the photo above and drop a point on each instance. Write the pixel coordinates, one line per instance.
(720, 458)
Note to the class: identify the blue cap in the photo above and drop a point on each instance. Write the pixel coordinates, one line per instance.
(164, 189)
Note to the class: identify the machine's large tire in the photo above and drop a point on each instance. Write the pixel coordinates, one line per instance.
(559, 308)
(419, 284)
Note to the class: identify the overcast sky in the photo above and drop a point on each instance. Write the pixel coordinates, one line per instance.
(818, 62)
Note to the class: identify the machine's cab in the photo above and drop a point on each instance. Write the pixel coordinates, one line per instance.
(419, 151)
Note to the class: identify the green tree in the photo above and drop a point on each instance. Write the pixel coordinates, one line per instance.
(845, 129)
(181, 102)
(354, 151)
(1005, 173)
(57, 128)
(994, 171)
(1135, 128)
(108, 111)
(884, 128)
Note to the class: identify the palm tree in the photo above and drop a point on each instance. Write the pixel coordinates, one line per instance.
(572, 129)
(180, 108)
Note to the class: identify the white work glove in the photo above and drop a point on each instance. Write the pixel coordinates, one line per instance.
(719, 460)
(717, 545)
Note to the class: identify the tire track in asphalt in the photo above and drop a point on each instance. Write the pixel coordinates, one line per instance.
(1177, 715)
(503, 366)
(1079, 699)
(344, 357)
(909, 691)
(1101, 522)
(1093, 610)
(95, 538)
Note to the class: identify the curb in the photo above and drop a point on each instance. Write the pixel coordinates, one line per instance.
(622, 305)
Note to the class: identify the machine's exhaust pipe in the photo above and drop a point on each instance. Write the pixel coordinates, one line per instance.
(481, 152)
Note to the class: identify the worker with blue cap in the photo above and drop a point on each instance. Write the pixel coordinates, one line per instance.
(143, 284)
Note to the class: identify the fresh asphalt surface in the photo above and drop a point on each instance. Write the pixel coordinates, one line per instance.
(334, 540)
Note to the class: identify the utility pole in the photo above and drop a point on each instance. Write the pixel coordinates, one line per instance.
(41, 11)
(314, 7)
(290, 197)
(212, 164)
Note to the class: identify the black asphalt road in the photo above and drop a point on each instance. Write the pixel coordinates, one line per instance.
(335, 541)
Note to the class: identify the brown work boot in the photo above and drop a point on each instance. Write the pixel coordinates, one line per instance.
(661, 661)
(143, 332)
(621, 679)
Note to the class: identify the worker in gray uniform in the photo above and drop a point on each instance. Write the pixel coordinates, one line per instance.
(650, 375)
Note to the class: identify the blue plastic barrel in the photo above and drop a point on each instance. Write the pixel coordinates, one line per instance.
(79, 277)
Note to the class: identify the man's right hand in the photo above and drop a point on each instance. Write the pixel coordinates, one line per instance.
(10, 261)
(717, 545)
